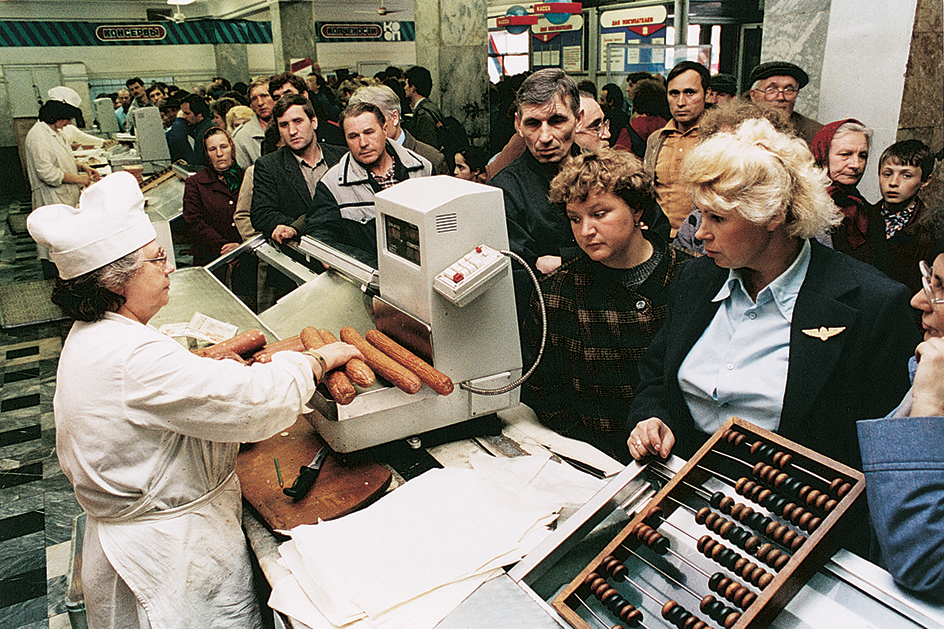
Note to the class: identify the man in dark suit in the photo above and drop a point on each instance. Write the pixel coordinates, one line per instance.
(284, 181)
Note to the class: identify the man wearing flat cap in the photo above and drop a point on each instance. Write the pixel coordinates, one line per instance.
(777, 83)
(721, 89)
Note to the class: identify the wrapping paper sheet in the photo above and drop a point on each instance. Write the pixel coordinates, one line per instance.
(410, 558)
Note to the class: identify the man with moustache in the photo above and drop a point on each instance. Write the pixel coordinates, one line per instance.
(666, 148)
(284, 181)
(344, 212)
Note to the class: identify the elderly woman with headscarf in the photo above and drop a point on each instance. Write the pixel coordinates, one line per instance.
(149, 435)
(54, 175)
(842, 149)
(770, 326)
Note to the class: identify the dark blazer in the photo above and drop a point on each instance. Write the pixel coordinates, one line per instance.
(208, 211)
(859, 373)
(431, 153)
(280, 195)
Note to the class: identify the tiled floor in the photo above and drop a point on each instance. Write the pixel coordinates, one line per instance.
(37, 505)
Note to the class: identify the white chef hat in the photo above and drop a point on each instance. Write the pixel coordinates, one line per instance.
(109, 223)
(66, 95)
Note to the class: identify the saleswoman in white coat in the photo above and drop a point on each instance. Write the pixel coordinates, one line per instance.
(54, 175)
(147, 432)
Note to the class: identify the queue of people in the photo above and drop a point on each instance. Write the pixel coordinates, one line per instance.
(733, 268)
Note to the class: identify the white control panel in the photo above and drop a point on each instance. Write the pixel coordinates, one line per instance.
(468, 277)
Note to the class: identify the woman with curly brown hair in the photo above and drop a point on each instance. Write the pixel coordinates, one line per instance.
(604, 306)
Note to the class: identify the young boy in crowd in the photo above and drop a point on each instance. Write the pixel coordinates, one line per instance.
(903, 171)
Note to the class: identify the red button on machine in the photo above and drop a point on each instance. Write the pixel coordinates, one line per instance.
(458, 277)
(478, 250)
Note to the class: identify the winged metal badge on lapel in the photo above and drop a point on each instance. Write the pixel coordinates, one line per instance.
(823, 333)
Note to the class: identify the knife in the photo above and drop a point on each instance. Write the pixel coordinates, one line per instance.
(307, 475)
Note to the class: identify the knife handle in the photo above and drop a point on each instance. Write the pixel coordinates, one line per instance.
(306, 478)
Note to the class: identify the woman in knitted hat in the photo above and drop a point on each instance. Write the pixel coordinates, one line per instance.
(842, 149)
(149, 435)
(54, 175)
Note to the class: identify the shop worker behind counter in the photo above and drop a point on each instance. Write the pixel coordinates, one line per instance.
(770, 326)
(149, 437)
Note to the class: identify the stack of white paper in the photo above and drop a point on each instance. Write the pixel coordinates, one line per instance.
(409, 559)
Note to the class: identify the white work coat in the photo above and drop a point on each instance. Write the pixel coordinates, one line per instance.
(48, 158)
(148, 434)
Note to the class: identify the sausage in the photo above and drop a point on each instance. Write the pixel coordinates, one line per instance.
(398, 375)
(264, 355)
(339, 387)
(248, 341)
(431, 377)
(356, 369)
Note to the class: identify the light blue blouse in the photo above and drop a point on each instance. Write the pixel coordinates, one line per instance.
(739, 365)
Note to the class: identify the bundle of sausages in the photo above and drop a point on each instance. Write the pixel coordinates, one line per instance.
(398, 365)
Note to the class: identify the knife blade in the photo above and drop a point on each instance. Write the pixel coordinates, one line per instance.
(307, 475)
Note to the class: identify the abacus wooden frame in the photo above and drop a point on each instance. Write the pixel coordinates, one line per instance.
(818, 548)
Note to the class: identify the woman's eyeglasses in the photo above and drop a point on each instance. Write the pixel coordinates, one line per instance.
(160, 260)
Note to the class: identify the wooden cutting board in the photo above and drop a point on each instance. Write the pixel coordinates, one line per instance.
(339, 490)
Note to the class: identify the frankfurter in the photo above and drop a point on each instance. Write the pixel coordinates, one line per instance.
(431, 377)
(248, 341)
(394, 372)
(338, 385)
(356, 369)
(264, 355)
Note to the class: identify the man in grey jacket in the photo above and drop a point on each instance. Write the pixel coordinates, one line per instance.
(343, 213)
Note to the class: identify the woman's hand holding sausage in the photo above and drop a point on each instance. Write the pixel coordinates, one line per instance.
(650, 436)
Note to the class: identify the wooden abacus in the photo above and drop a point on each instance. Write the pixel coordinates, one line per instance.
(788, 518)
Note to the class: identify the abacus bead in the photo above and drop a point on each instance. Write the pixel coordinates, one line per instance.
(702, 515)
(804, 520)
(616, 604)
(595, 583)
(690, 622)
(667, 608)
(788, 538)
(731, 619)
(739, 439)
(749, 599)
(726, 503)
(701, 624)
(821, 500)
(620, 571)
(812, 496)
(804, 492)
(590, 577)
(738, 486)
(608, 595)
(785, 460)
(661, 545)
(715, 580)
(716, 499)
(740, 564)
(682, 617)
(758, 469)
(780, 531)
(737, 511)
(764, 580)
(729, 435)
(830, 505)
(757, 445)
(700, 545)
(843, 490)
(780, 479)
(710, 519)
(601, 589)
(732, 589)
(725, 529)
(782, 560)
(814, 524)
(795, 546)
(706, 603)
(752, 544)
(763, 495)
(739, 595)
(788, 510)
(793, 486)
(778, 503)
(654, 516)
(835, 484)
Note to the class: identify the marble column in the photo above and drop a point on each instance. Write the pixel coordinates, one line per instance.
(922, 103)
(795, 31)
(293, 32)
(232, 62)
(452, 43)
